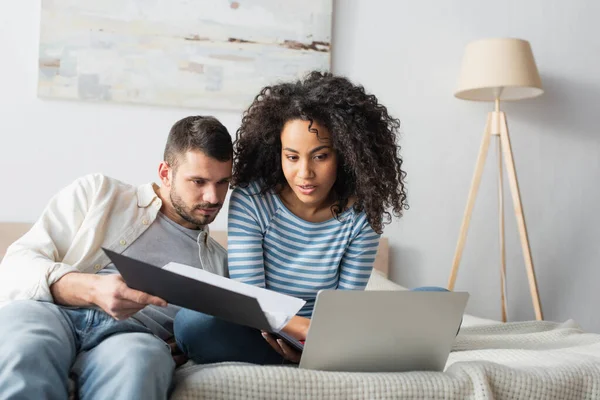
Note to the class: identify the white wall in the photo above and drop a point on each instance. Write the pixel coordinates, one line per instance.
(45, 144)
(408, 53)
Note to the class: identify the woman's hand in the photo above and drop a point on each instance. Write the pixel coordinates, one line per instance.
(282, 348)
(297, 327)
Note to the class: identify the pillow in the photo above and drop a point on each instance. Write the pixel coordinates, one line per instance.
(378, 281)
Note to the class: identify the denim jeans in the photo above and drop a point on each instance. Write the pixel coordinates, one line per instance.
(42, 345)
(207, 339)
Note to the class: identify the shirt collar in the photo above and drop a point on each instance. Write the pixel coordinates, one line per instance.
(146, 194)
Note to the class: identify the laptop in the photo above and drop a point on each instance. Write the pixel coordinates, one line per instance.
(382, 331)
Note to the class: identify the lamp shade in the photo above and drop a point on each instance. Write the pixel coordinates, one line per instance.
(501, 69)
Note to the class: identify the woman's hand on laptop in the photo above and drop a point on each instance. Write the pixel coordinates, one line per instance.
(297, 327)
(282, 348)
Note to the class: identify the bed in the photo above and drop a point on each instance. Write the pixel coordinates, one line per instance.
(490, 360)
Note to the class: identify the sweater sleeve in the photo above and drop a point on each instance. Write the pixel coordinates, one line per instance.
(245, 239)
(357, 261)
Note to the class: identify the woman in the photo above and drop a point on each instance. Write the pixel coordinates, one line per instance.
(316, 167)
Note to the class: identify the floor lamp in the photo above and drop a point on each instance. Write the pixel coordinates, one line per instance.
(498, 70)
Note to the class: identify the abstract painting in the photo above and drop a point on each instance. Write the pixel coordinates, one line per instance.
(214, 54)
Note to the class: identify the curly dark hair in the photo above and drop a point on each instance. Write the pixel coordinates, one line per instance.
(363, 136)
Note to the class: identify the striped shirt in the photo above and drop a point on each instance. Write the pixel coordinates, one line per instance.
(270, 247)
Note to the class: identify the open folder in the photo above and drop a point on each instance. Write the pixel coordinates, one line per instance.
(202, 291)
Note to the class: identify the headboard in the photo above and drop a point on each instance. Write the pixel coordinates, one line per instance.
(11, 231)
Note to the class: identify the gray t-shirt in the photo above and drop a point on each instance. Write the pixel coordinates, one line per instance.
(164, 241)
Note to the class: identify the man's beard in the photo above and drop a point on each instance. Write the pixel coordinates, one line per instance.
(186, 212)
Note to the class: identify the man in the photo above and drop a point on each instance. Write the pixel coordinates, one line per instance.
(65, 310)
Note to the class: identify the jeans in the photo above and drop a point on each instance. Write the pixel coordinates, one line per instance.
(206, 339)
(42, 345)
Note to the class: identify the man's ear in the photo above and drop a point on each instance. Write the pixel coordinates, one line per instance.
(165, 174)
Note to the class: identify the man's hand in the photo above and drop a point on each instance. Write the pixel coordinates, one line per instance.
(282, 348)
(112, 294)
(109, 292)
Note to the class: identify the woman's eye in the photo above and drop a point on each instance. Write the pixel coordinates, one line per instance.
(320, 157)
(292, 158)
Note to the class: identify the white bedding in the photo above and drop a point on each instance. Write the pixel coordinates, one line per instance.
(522, 360)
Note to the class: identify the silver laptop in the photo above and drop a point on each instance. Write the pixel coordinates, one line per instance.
(382, 331)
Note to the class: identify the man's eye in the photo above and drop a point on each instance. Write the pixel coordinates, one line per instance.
(198, 182)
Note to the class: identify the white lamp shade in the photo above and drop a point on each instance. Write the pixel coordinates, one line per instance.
(501, 69)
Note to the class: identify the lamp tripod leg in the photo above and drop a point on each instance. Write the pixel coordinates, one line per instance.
(501, 230)
(483, 150)
(516, 197)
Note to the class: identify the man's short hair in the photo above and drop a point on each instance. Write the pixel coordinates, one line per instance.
(198, 133)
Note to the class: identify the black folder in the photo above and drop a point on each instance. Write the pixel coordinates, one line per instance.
(190, 293)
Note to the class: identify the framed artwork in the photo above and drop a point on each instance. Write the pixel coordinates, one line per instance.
(213, 54)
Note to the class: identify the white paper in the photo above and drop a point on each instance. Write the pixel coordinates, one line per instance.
(279, 308)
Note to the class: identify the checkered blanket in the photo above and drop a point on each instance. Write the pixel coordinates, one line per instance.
(521, 360)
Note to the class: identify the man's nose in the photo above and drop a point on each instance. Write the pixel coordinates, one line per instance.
(211, 195)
